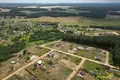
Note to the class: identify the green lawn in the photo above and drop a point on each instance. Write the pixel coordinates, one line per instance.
(74, 59)
(90, 55)
(92, 66)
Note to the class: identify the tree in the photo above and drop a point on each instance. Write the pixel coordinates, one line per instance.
(27, 58)
(116, 56)
(24, 52)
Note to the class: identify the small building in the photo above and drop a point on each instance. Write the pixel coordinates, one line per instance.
(98, 58)
(80, 48)
(40, 62)
(52, 54)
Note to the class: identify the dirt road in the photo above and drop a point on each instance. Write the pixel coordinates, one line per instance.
(76, 70)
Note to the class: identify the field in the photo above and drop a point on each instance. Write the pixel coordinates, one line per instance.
(58, 67)
(77, 20)
(91, 53)
(4, 10)
(48, 7)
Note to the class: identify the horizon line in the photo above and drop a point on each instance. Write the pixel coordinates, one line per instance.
(61, 3)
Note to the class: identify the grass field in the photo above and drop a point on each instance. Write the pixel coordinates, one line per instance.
(90, 55)
(78, 20)
(4, 10)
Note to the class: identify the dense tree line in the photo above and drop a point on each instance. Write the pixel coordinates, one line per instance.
(53, 24)
(97, 15)
(53, 14)
(29, 9)
(106, 27)
(6, 51)
(47, 35)
(98, 7)
(12, 13)
(94, 14)
(111, 43)
(57, 9)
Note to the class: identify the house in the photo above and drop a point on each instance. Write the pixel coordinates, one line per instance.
(83, 48)
(80, 47)
(40, 62)
(98, 58)
(52, 54)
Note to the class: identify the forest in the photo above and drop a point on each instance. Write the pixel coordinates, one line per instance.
(12, 13)
(40, 31)
(105, 27)
(46, 35)
(7, 51)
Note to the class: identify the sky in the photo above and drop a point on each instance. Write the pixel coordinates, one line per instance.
(59, 1)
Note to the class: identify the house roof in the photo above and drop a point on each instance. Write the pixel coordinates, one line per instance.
(39, 62)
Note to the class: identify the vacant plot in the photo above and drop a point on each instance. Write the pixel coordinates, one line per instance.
(13, 78)
(84, 51)
(36, 50)
(23, 75)
(91, 54)
(86, 75)
(61, 45)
